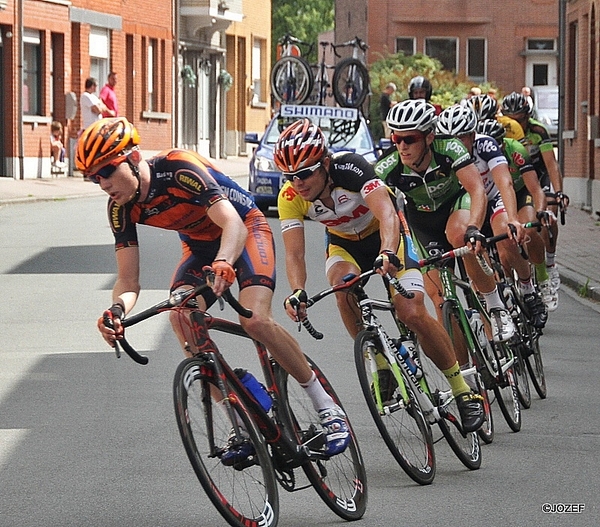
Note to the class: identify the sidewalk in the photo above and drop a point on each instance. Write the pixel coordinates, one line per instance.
(578, 254)
(56, 188)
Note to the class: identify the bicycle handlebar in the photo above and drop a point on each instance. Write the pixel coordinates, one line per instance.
(562, 200)
(356, 42)
(349, 281)
(176, 300)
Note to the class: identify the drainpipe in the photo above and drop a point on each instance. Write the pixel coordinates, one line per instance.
(20, 53)
(562, 5)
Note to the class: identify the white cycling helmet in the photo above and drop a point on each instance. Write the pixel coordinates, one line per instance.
(412, 115)
(457, 120)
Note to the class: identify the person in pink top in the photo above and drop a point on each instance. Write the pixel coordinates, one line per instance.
(109, 97)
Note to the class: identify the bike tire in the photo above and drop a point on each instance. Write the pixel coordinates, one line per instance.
(340, 480)
(534, 363)
(350, 83)
(404, 430)
(518, 347)
(466, 448)
(242, 495)
(452, 323)
(507, 393)
(291, 80)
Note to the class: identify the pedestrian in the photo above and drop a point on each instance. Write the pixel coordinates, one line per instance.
(109, 96)
(385, 103)
(219, 226)
(420, 88)
(57, 148)
(90, 104)
(526, 91)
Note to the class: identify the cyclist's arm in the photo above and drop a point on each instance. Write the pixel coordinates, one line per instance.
(470, 179)
(127, 285)
(295, 261)
(233, 238)
(381, 205)
(532, 183)
(552, 167)
(504, 182)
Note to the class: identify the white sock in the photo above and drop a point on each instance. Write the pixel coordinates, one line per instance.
(492, 299)
(319, 397)
(550, 259)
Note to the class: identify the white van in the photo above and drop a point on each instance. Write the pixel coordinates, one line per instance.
(545, 107)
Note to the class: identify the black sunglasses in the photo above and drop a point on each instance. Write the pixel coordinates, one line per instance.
(105, 172)
(407, 139)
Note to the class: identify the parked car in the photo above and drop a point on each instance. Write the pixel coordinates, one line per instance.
(545, 107)
(345, 129)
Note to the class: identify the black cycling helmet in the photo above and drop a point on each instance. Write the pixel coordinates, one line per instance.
(515, 103)
(412, 115)
(420, 82)
(492, 128)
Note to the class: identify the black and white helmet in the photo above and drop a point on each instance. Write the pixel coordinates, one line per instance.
(515, 103)
(492, 128)
(485, 107)
(457, 120)
(412, 115)
(420, 82)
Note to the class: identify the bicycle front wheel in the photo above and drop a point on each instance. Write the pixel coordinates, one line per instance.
(350, 83)
(534, 363)
(340, 480)
(507, 393)
(401, 423)
(291, 80)
(243, 493)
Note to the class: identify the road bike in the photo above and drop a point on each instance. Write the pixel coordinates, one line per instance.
(405, 413)
(320, 91)
(351, 78)
(292, 79)
(216, 412)
(468, 324)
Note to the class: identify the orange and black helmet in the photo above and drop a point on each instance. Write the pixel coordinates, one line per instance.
(300, 146)
(104, 141)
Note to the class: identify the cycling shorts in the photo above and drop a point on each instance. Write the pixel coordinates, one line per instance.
(255, 266)
(524, 199)
(363, 253)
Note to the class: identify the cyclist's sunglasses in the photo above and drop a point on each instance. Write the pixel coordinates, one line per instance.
(302, 174)
(406, 139)
(107, 170)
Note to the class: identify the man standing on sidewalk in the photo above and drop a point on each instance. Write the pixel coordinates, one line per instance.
(109, 97)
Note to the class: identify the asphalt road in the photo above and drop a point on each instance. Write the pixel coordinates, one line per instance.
(89, 440)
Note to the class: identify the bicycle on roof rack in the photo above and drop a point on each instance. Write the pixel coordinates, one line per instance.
(351, 84)
(292, 78)
(216, 412)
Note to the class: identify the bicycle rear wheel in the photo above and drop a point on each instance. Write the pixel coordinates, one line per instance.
(350, 83)
(291, 80)
(466, 447)
(507, 393)
(402, 426)
(521, 377)
(518, 348)
(341, 480)
(245, 493)
(454, 327)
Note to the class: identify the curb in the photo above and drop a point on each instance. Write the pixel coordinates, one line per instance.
(577, 283)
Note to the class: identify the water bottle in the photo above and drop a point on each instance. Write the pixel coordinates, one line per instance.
(406, 349)
(256, 388)
(477, 326)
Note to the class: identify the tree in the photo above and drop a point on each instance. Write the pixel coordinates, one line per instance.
(448, 87)
(304, 20)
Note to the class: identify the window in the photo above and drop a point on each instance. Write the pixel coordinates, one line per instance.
(538, 44)
(406, 45)
(476, 59)
(99, 54)
(32, 76)
(152, 80)
(259, 87)
(443, 49)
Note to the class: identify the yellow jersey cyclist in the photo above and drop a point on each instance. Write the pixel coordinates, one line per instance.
(486, 107)
(446, 202)
(461, 122)
(364, 230)
(539, 145)
(531, 202)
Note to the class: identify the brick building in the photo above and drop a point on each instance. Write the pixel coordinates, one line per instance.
(512, 43)
(191, 74)
(581, 135)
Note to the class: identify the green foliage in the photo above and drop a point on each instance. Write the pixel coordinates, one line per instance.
(585, 290)
(448, 88)
(304, 20)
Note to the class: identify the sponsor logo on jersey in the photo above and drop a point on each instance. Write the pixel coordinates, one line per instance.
(349, 166)
(455, 146)
(359, 211)
(372, 185)
(114, 214)
(518, 159)
(384, 164)
(486, 145)
(189, 183)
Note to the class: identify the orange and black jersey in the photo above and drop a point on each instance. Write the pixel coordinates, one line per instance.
(183, 186)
